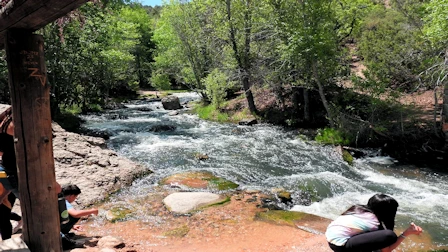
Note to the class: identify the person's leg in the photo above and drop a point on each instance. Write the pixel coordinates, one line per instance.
(15, 217)
(337, 248)
(371, 241)
(5, 224)
(65, 228)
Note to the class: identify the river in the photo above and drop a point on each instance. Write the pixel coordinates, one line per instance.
(264, 157)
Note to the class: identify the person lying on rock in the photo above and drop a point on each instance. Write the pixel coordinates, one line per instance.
(368, 227)
(71, 192)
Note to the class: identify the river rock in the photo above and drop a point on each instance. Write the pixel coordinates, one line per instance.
(84, 161)
(198, 180)
(248, 122)
(162, 128)
(186, 202)
(111, 242)
(171, 102)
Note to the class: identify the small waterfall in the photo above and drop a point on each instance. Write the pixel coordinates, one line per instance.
(266, 157)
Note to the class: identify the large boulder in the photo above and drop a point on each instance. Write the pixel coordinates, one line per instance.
(85, 161)
(187, 202)
(171, 102)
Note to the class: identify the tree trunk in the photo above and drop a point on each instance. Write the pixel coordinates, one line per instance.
(445, 106)
(322, 94)
(306, 105)
(445, 114)
(243, 61)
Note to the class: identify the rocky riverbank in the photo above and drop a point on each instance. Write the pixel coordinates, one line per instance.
(86, 162)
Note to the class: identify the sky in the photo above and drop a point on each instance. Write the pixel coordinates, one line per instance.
(151, 2)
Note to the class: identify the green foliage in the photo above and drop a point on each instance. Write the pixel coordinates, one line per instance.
(160, 81)
(4, 87)
(216, 85)
(103, 51)
(436, 23)
(393, 51)
(332, 136)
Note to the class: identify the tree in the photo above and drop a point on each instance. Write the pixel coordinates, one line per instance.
(435, 30)
(310, 45)
(183, 46)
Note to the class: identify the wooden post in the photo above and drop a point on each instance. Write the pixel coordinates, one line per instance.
(30, 99)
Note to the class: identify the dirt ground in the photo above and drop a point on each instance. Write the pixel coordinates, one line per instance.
(230, 227)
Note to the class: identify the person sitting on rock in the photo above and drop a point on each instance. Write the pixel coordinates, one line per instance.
(71, 192)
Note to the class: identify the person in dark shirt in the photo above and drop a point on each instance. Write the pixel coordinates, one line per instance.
(8, 168)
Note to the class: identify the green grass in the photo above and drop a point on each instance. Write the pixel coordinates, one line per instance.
(209, 112)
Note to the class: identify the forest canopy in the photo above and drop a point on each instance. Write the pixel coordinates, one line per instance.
(107, 49)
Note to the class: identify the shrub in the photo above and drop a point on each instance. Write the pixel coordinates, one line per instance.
(332, 136)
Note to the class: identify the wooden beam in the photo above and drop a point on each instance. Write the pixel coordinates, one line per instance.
(30, 99)
(33, 14)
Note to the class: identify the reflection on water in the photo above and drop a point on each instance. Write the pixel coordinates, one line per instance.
(266, 157)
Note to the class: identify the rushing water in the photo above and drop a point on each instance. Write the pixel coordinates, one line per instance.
(266, 157)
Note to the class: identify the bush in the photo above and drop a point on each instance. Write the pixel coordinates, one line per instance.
(161, 81)
(216, 86)
(332, 136)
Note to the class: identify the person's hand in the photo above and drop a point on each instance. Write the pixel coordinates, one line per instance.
(413, 229)
(95, 211)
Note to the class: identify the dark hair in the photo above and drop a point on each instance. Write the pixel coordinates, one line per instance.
(383, 206)
(70, 190)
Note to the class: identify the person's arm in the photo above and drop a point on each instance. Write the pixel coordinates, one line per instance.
(80, 213)
(10, 129)
(412, 229)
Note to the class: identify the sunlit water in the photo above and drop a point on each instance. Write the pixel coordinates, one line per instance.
(266, 157)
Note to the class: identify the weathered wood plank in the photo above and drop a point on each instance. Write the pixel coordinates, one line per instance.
(30, 99)
(34, 14)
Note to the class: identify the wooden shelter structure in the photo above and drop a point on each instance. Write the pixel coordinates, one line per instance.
(30, 100)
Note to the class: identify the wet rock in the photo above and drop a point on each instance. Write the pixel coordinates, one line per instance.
(154, 99)
(248, 122)
(270, 204)
(171, 102)
(199, 180)
(173, 113)
(307, 222)
(283, 195)
(95, 133)
(115, 116)
(114, 105)
(162, 128)
(144, 109)
(187, 202)
(118, 213)
(200, 156)
(111, 242)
